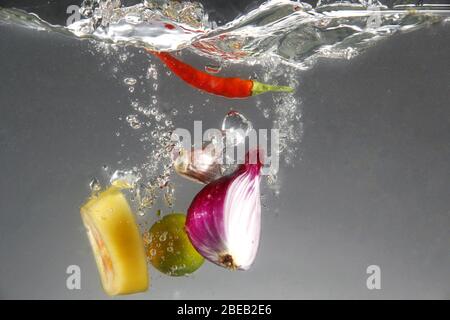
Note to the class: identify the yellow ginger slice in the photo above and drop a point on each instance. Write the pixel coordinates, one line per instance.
(116, 242)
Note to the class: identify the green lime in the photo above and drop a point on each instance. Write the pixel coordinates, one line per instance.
(169, 248)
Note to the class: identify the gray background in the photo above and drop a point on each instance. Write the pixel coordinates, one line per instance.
(371, 187)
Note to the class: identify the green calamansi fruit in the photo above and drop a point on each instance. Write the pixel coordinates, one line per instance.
(169, 248)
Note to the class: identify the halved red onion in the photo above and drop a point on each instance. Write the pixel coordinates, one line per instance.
(224, 219)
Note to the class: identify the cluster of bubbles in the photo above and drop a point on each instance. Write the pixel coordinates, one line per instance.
(156, 136)
(149, 180)
(286, 112)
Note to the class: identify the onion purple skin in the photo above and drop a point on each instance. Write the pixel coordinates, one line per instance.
(224, 219)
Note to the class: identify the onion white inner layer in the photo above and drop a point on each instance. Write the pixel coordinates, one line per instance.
(242, 217)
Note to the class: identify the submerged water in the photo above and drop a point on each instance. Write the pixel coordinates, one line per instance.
(279, 38)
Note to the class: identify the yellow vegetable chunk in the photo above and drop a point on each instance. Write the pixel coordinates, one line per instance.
(116, 242)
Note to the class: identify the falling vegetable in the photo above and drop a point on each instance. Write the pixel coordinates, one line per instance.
(226, 87)
(224, 219)
(169, 249)
(200, 165)
(116, 243)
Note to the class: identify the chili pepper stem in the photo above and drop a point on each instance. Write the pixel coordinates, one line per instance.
(259, 88)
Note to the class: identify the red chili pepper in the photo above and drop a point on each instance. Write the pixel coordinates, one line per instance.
(227, 87)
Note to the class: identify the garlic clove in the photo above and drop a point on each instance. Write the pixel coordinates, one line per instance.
(199, 165)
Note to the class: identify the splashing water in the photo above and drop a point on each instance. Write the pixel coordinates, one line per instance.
(281, 36)
(293, 31)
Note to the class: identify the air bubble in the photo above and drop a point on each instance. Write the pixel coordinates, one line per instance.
(163, 237)
(94, 185)
(129, 81)
(169, 195)
(236, 127)
(125, 178)
(123, 57)
(133, 121)
(210, 68)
